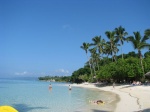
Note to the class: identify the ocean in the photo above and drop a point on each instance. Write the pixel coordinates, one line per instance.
(35, 96)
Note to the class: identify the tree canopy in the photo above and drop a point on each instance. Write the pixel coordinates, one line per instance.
(106, 65)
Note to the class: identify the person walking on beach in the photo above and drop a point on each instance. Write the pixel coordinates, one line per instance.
(113, 84)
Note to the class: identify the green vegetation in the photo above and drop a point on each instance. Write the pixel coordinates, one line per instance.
(104, 64)
(56, 78)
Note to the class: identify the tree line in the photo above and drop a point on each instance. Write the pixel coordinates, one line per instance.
(55, 78)
(103, 64)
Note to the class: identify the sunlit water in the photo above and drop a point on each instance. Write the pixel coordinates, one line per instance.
(34, 96)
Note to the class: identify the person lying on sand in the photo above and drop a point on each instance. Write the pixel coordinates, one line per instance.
(97, 102)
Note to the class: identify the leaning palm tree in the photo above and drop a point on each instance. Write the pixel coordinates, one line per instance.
(120, 34)
(85, 47)
(139, 43)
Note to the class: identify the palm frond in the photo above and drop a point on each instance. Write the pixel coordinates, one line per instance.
(147, 33)
(137, 36)
(144, 38)
(144, 45)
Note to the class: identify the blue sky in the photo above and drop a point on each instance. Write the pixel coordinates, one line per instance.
(43, 37)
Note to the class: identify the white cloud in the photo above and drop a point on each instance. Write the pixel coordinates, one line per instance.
(59, 72)
(42, 73)
(21, 73)
(62, 71)
(67, 71)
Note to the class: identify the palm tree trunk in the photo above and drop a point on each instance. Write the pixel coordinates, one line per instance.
(141, 63)
(121, 51)
(89, 64)
(112, 52)
(142, 67)
(93, 67)
(96, 64)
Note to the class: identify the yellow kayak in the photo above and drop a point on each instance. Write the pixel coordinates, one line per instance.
(7, 109)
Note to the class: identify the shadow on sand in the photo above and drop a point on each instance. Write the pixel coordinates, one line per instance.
(144, 110)
(99, 110)
(94, 110)
(26, 108)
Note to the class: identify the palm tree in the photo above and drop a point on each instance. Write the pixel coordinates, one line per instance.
(147, 33)
(93, 52)
(107, 49)
(85, 47)
(115, 50)
(99, 43)
(139, 43)
(112, 41)
(97, 59)
(120, 34)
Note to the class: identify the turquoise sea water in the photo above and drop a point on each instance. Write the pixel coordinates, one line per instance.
(34, 96)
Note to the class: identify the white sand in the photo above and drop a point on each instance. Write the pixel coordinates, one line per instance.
(132, 98)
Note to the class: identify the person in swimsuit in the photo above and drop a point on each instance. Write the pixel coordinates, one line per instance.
(69, 87)
(97, 102)
(50, 86)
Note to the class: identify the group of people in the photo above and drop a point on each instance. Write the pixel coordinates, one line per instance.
(94, 102)
(50, 87)
(136, 83)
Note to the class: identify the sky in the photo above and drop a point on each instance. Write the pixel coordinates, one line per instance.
(43, 37)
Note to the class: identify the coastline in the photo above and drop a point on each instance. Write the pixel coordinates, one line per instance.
(132, 98)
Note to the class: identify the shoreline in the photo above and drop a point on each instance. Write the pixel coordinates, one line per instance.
(132, 98)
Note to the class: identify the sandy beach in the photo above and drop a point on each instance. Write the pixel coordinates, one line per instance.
(132, 98)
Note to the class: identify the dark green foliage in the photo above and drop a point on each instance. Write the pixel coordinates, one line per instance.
(127, 69)
(76, 75)
(130, 54)
(146, 63)
(104, 63)
(147, 54)
(56, 78)
(121, 70)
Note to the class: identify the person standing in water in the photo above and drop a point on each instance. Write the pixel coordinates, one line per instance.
(50, 86)
(69, 87)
